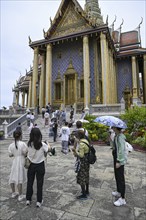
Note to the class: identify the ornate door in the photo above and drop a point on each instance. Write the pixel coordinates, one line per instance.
(70, 89)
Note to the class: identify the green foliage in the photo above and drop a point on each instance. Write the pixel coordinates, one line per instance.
(96, 131)
(135, 119)
(1, 133)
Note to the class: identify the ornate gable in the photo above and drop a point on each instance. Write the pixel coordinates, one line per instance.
(70, 21)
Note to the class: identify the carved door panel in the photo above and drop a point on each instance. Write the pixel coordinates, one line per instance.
(70, 90)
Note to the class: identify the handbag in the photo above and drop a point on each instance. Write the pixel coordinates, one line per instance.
(27, 161)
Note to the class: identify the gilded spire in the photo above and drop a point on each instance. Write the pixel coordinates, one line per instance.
(93, 12)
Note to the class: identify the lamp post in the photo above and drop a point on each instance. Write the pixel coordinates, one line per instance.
(37, 97)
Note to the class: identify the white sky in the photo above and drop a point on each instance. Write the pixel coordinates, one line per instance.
(23, 18)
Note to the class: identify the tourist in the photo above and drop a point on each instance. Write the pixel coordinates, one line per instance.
(83, 113)
(18, 151)
(54, 128)
(119, 158)
(28, 119)
(36, 153)
(19, 128)
(43, 111)
(32, 118)
(64, 133)
(82, 164)
(46, 115)
(79, 127)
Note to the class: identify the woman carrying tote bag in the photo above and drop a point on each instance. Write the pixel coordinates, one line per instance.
(37, 151)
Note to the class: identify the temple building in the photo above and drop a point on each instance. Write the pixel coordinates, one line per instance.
(83, 60)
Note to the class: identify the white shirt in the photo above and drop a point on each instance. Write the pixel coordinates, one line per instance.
(65, 132)
(46, 115)
(37, 156)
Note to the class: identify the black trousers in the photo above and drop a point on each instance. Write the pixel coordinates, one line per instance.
(54, 134)
(38, 171)
(120, 179)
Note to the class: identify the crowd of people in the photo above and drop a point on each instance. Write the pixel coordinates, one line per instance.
(36, 150)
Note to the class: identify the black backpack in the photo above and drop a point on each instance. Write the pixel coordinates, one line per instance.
(92, 153)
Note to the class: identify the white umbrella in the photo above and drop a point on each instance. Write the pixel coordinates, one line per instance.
(111, 121)
(82, 120)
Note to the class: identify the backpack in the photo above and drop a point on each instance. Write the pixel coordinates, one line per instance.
(128, 148)
(92, 153)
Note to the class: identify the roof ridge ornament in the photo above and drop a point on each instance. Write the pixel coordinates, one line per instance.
(30, 41)
(138, 30)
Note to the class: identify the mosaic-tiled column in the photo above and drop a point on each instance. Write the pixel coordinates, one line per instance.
(42, 83)
(29, 93)
(134, 80)
(49, 74)
(86, 65)
(144, 78)
(104, 65)
(34, 77)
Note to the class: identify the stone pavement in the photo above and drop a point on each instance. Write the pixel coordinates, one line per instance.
(60, 189)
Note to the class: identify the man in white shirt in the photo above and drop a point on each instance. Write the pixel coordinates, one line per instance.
(64, 133)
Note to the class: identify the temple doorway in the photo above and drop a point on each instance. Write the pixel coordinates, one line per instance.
(70, 89)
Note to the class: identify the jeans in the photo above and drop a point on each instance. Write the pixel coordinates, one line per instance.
(38, 171)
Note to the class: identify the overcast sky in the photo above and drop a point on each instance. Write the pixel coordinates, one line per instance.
(23, 18)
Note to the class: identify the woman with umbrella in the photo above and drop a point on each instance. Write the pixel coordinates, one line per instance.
(120, 160)
(119, 155)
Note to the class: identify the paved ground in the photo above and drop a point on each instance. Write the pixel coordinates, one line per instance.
(60, 189)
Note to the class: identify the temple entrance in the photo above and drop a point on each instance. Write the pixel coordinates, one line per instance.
(70, 89)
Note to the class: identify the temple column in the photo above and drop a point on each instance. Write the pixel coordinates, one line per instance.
(29, 93)
(96, 73)
(34, 77)
(17, 98)
(42, 83)
(49, 74)
(144, 79)
(14, 99)
(104, 65)
(86, 65)
(134, 81)
(23, 99)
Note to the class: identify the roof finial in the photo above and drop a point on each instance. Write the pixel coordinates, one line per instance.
(30, 41)
(121, 23)
(140, 22)
(107, 20)
(51, 21)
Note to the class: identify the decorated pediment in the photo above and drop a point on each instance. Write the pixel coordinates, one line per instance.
(71, 20)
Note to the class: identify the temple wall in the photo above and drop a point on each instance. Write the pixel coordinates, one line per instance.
(92, 82)
(69, 51)
(124, 76)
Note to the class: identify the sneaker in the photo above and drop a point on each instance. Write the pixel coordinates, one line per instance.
(38, 204)
(21, 197)
(27, 202)
(82, 197)
(120, 202)
(116, 194)
(14, 195)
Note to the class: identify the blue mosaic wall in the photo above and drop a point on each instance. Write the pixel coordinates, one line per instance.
(124, 76)
(71, 51)
(92, 83)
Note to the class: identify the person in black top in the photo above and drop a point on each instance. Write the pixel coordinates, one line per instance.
(54, 127)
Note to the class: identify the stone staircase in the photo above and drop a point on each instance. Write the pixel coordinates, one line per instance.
(44, 129)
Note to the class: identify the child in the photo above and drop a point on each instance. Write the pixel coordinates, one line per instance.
(64, 134)
(18, 151)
